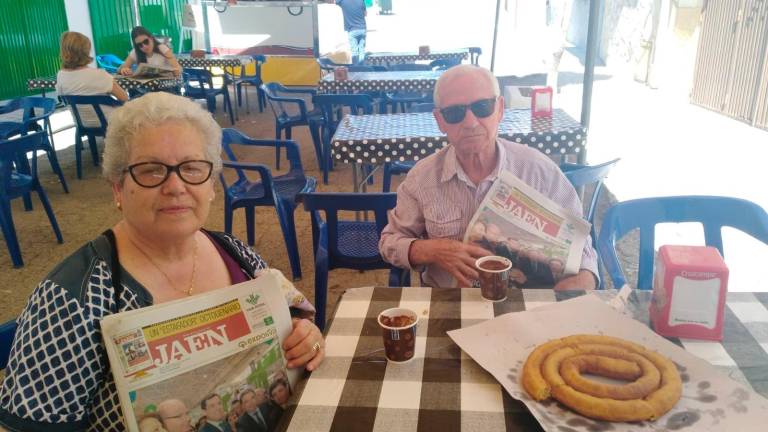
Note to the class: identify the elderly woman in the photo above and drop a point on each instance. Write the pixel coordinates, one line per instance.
(161, 152)
(77, 78)
(147, 49)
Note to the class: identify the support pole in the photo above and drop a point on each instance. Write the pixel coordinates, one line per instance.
(495, 34)
(589, 67)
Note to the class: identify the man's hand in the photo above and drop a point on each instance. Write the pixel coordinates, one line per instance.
(453, 256)
(583, 280)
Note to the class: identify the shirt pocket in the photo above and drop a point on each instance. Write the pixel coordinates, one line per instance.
(443, 221)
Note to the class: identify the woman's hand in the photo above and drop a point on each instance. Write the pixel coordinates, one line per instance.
(126, 71)
(304, 346)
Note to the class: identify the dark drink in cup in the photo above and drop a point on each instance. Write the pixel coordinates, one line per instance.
(398, 328)
(494, 277)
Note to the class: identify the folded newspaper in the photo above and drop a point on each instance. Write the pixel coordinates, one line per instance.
(144, 70)
(543, 240)
(223, 342)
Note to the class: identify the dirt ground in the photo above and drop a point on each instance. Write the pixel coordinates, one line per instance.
(88, 210)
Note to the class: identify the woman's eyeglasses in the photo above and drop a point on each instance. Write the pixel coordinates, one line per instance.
(142, 43)
(481, 109)
(153, 174)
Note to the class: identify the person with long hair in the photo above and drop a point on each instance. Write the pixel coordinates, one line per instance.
(76, 77)
(147, 49)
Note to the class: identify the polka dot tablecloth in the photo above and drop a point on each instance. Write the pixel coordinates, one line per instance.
(152, 84)
(214, 61)
(381, 138)
(414, 81)
(385, 58)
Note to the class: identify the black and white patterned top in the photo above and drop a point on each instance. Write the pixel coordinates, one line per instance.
(413, 81)
(214, 61)
(381, 138)
(387, 58)
(127, 83)
(58, 375)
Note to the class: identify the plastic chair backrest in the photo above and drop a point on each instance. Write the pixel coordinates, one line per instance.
(444, 64)
(10, 151)
(422, 107)
(282, 102)
(332, 106)
(230, 137)
(474, 54)
(109, 62)
(713, 212)
(583, 175)
(7, 333)
(96, 102)
(410, 67)
(201, 77)
(361, 68)
(327, 64)
(332, 203)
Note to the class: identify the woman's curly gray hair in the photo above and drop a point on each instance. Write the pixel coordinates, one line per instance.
(151, 110)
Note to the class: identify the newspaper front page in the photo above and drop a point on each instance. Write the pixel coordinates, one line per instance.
(224, 342)
(145, 70)
(543, 240)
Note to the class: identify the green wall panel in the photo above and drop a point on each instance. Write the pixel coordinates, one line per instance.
(163, 17)
(29, 35)
(111, 23)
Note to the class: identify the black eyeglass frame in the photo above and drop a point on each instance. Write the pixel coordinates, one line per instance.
(477, 107)
(168, 170)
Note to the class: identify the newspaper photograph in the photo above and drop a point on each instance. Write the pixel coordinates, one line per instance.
(144, 70)
(543, 240)
(214, 359)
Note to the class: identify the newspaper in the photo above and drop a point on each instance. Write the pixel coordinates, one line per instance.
(223, 342)
(144, 70)
(543, 240)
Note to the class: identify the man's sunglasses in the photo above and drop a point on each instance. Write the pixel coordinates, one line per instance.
(481, 109)
(142, 43)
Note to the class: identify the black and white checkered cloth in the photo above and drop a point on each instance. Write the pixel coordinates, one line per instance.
(409, 81)
(381, 138)
(127, 83)
(385, 58)
(442, 389)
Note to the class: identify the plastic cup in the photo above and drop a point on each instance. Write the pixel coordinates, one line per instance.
(398, 328)
(494, 277)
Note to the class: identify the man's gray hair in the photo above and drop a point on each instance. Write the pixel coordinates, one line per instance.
(461, 70)
(153, 110)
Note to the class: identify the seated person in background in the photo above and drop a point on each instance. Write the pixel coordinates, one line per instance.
(161, 156)
(78, 79)
(147, 49)
(442, 192)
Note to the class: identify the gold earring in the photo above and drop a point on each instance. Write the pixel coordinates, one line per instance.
(119, 205)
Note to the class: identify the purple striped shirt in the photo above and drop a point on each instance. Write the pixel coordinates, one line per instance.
(437, 200)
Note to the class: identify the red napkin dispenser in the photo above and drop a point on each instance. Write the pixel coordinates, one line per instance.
(541, 102)
(689, 289)
(424, 50)
(341, 73)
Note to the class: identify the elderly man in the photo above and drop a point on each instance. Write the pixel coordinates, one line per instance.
(215, 416)
(174, 415)
(442, 192)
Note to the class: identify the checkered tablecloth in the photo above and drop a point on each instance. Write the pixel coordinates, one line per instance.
(127, 83)
(409, 81)
(381, 138)
(442, 389)
(386, 58)
(214, 61)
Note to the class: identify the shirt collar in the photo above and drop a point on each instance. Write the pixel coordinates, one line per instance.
(451, 167)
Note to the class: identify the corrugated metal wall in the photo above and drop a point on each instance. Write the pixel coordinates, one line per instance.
(29, 34)
(163, 17)
(111, 23)
(730, 75)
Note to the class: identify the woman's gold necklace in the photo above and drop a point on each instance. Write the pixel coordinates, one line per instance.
(191, 288)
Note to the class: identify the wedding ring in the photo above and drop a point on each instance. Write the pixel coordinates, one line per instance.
(316, 347)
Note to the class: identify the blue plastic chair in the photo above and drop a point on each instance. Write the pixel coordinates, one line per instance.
(345, 243)
(444, 64)
(34, 109)
(91, 131)
(333, 108)
(198, 84)
(474, 55)
(109, 62)
(328, 65)
(272, 191)
(397, 167)
(15, 184)
(7, 333)
(251, 80)
(713, 212)
(289, 105)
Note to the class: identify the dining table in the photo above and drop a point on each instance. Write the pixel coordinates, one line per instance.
(127, 83)
(390, 81)
(442, 388)
(389, 58)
